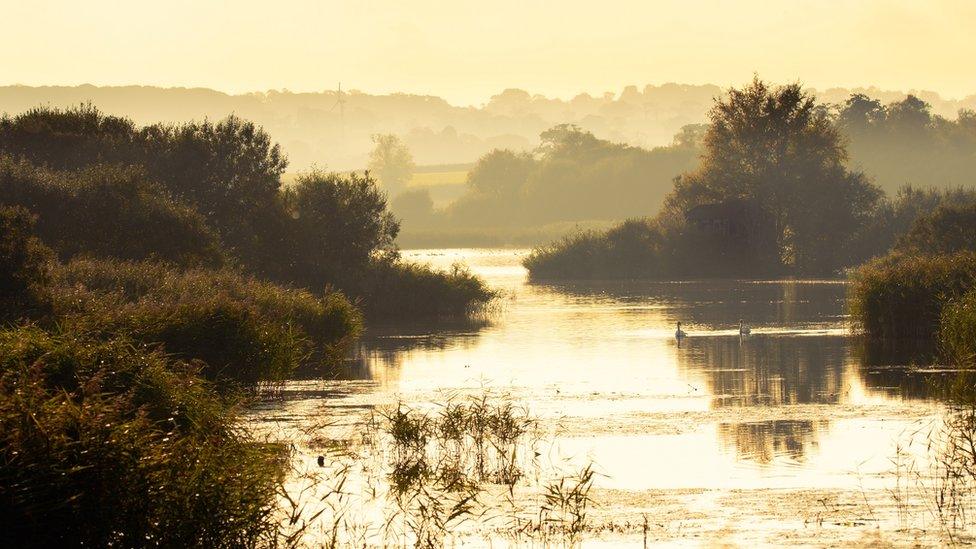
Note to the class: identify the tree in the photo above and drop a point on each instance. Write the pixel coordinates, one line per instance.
(860, 113)
(501, 173)
(569, 141)
(949, 229)
(339, 224)
(391, 163)
(416, 207)
(911, 115)
(776, 147)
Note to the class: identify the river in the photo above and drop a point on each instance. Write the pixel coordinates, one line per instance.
(795, 433)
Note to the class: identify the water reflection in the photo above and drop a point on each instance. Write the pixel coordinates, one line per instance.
(768, 370)
(762, 442)
(800, 400)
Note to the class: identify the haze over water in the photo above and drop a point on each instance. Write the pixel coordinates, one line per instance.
(721, 438)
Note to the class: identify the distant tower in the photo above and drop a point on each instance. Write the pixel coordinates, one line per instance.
(341, 103)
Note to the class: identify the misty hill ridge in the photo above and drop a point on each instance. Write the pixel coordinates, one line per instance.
(314, 130)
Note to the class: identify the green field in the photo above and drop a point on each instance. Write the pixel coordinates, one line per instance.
(436, 179)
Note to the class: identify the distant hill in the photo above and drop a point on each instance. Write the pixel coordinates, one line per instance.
(314, 130)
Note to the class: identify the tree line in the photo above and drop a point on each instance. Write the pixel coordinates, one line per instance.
(775, 192)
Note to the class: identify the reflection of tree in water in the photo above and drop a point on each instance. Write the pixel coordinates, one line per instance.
(768, 370)
(891, 366)
(718, 304)
(387, 346)
(764, 441)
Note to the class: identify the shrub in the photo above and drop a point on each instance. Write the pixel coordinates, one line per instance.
(108, 211)
(393, 288)
(903, 296)
(244, 329)
(630, 250)
(948, 229)
(228, 171)
(24, 267)
(340, 222)
(103, 443)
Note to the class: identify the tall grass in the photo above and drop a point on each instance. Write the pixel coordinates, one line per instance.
(399, 289)
(957, 330)
(104, 443)
(630, 250)
(467, 469)
(243, 329)
(903, 296)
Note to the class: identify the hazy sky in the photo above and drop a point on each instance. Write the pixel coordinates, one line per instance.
(467, 51)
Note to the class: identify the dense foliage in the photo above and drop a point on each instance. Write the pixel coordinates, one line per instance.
(241, 328)
(772, 195)
(573, 176)
(199, 193)
(104, 443)
(948, 229)
(339, 224)
(108, 211)
(24, 267)
(777, 149)
(904, 143)
(903, 295)
(118, 424)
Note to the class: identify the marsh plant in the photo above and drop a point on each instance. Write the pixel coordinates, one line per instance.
(466, 469)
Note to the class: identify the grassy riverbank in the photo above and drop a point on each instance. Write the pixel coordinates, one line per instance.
(150, 279)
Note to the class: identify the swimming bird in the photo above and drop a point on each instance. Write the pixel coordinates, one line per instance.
(679, 333)
(743, 329)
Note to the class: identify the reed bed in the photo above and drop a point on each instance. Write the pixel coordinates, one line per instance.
(106, 443)
(903, 296)
(243, 329)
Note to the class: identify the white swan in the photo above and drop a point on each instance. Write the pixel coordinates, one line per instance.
(679, 333)
(743, 329)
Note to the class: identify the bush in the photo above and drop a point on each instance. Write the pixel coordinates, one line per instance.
(630, 250)
(108, 211)
(340, 222)
(24, 267)
(103, 443)
(903, 296)
(392, 288)
(229, 171)
(244, 329)
(947, 229)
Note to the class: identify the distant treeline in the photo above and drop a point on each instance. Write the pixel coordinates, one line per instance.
(775, 193)
(573, 176)
(313, 129)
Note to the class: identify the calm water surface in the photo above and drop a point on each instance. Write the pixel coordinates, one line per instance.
(787, 435)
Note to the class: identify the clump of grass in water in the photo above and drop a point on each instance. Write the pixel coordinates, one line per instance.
(430, 471)
(439, 462)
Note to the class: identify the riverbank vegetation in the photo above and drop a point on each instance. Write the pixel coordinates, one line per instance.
(104, 442)
(202, 193)
(921, 288)
(150, 279)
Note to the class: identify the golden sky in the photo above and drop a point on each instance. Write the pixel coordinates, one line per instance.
(468, 51)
